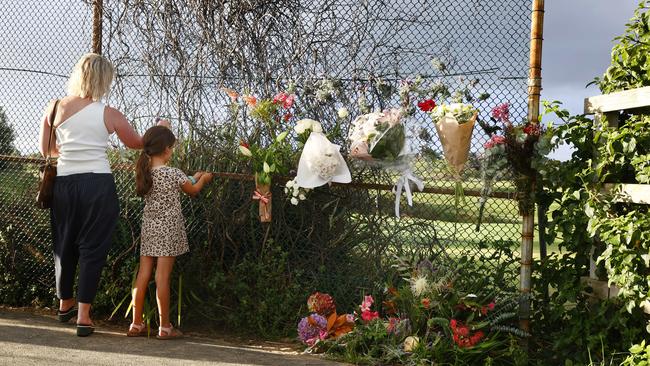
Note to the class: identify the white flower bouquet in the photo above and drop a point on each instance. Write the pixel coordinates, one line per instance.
(378, 136)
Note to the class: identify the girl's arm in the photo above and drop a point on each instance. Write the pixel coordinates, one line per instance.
(45, 134)
(194, 189)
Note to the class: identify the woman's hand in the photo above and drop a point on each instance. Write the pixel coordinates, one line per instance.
(164, 122)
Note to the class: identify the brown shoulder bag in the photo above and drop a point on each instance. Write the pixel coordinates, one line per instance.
(47, 170)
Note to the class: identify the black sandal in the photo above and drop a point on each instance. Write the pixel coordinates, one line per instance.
(65, 316)
(85, 330)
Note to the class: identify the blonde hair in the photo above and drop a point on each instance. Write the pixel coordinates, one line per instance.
(91, 77)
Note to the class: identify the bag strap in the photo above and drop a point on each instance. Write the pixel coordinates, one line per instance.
(52, 127)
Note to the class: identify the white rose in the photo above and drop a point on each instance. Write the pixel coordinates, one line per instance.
(290, 183)
(343, 112)
(302, 197)
(296, 193)
(316, 127)
(294, 201)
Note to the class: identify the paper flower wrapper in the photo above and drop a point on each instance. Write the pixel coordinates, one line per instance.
(456, 139)
(321, 163)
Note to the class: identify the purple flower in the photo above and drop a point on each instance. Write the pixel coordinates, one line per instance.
(310, 327)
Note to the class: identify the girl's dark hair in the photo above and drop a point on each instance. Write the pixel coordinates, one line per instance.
(155, 141)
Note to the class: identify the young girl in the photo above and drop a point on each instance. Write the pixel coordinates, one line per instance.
(163, 234)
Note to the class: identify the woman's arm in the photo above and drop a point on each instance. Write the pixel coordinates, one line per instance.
(116, 122)
(45, 134)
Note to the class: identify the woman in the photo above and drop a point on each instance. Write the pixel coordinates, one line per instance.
(85, 207)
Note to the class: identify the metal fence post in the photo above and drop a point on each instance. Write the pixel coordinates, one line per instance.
(98, 7)
(528, 225)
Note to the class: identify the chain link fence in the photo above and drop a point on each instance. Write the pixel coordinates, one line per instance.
(172, 59)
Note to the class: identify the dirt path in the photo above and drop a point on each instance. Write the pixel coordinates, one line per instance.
(33, 339)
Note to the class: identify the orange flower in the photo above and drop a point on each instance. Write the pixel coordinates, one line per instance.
(250, 100)
(231, 93)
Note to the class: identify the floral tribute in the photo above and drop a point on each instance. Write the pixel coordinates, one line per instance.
(454, 124)
(430, 315)
(511, 153)
(324, 323)
(265, 158)
(380, 138)
(320, 161)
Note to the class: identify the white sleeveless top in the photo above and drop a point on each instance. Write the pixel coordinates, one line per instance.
(82, 140)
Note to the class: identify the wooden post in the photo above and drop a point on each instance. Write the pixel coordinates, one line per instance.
(98, 7)
(528, 224)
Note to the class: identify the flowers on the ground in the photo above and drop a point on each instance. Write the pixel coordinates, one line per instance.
(463, 336)
(321, 303)
(324, 323)
(312, 328)
(367, 314)
(410, 343)
(343, 112)
(419, 285)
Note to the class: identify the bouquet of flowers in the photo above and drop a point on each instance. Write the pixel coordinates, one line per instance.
(455, 124)
(266, 160)
(320, 161)
(323, 322)
(510, 153)
(378, 136)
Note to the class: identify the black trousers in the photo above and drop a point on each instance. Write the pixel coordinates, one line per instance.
(84, 214)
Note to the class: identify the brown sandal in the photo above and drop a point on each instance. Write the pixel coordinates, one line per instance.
(169, 333)
(137, 330)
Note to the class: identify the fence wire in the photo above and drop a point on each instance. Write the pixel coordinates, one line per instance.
(172, 58)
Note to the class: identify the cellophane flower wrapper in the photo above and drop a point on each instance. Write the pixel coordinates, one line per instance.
(455, 133)
(379, 140)
(321, 163)
(378, 137)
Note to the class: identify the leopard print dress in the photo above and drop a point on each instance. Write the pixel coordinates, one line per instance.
(163, 226)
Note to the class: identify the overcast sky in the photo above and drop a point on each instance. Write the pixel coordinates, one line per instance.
(578, 38)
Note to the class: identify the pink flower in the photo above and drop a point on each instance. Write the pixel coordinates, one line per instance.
(369, 315)
(494, 141)
(288, 101)
(350, 318)
(280, 97)
(491, 305)
(322, 334)
(501, 112)
(367, 303)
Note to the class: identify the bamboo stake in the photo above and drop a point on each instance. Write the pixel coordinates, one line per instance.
(98, 7)
(528, 220)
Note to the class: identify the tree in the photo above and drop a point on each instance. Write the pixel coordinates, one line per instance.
(7, 137)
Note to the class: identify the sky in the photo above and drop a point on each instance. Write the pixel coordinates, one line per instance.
(578, 37)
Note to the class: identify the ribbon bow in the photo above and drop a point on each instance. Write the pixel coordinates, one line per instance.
(264, 198)
(403, 184)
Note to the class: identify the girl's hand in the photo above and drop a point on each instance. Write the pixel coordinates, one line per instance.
(198, 175)
(207, 177)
